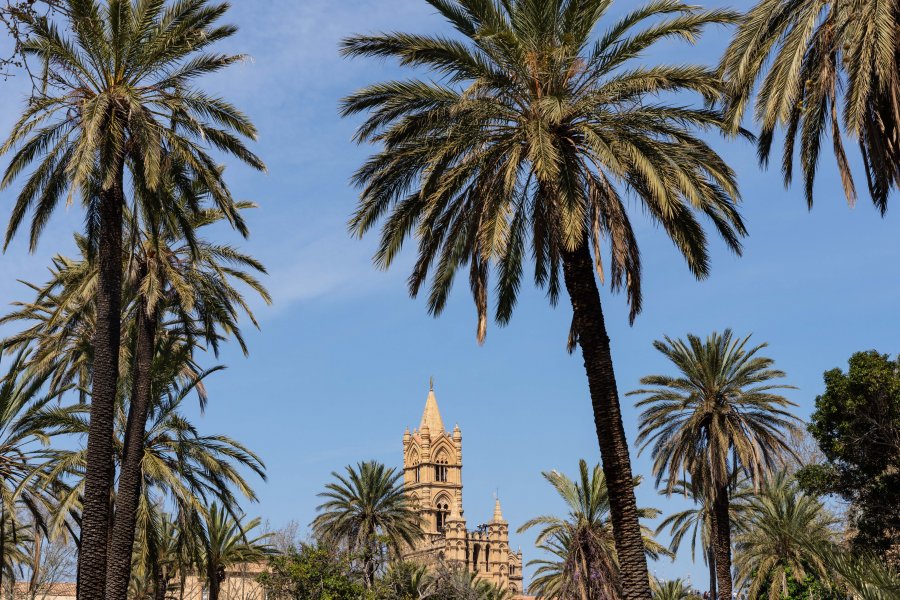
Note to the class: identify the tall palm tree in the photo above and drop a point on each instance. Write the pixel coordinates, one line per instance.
(191, 283)
(227, 541)
(785, 533)
(173, 288)
(822, 63)
(363, 507)
(698, 521)
(721, 415)
(119, 99)
(524, 141)
(584, 564)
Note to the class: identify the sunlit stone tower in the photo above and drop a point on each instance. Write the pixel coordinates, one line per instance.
(432, 469)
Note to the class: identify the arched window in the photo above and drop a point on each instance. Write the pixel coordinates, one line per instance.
(440, 469)
(442, 510)
(414, 463)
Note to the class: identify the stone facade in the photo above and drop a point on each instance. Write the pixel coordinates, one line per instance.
(432, 469)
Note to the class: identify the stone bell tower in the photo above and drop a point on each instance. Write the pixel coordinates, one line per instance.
(432, 467)
(432, 476)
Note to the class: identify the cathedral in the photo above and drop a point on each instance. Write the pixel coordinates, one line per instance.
(432, 468)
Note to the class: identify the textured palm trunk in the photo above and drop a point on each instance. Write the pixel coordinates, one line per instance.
(578, 269)
(722, 542)
(118, 570)
(711, 560)
(213, 581)
(36, 546)
(98, 479)
(161, 577)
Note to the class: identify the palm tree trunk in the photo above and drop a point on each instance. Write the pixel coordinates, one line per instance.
(98, 479)
(213, 583)
(590, 329)
(35, 579)
(711, 560)
(722, 542)
(118, 570)
(2, 544)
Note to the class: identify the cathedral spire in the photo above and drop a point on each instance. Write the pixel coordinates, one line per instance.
(498, 513)
(431, 417)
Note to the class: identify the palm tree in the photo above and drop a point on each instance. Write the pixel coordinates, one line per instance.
(698, 521)
(585, 565)
(24, 458)
(460, 584)
(190, 281)
(529, 131)
(675, 589)
(822, 63)
(864, 576)
(227, 541)
(174, 288)
(720, 416)
(785, 532)
(117, 99)
(364, 507)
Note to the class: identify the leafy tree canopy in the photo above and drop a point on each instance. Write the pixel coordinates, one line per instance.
(310, 572)
(857, 426)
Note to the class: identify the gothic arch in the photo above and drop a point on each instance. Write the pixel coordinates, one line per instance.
(412, 462)
(441, 509)
(443, 446)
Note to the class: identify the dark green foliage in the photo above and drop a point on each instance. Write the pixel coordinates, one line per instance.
(310, 572)
(857, 426)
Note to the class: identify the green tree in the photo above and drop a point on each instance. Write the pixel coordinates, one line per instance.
(721, 415)
(459, 584)
(119, 100)
(821, 64)
(311, 572)
(864, 575)
(785, 535)
(173, 289)
(857, 426)
(675, 589)
(226, 541)
(365, 509)
(521, 143)
(403, 580)
(584, 563)
(181, 285)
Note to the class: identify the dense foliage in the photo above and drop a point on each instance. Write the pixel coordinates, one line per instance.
(857, 426)
(311, 572)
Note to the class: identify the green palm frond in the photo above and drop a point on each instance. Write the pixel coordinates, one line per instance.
(526, 140)
(581, 543)
(120, 95)
(721, 414)
(785, 533)
(819, 65)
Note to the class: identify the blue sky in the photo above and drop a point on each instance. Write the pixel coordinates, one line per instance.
(342, 362)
